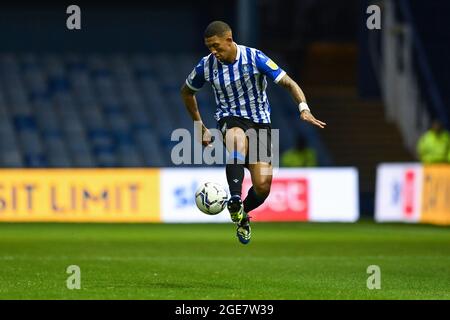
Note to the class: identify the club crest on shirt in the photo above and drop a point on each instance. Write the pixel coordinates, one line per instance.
(245, 68)
(215, 74)
(272, 65)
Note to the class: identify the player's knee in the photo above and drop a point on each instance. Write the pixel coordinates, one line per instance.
(262, 189)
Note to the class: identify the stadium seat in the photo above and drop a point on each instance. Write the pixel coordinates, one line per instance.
(106, 110)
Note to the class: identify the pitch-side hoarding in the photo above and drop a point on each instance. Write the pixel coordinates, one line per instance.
(410, 192)
(325, 194)
(167, 195)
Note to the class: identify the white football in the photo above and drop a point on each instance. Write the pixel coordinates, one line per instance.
(211, 198)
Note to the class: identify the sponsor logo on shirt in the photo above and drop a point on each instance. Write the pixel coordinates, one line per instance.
(272, 65)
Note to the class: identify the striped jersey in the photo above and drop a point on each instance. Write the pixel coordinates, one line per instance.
(239, 87)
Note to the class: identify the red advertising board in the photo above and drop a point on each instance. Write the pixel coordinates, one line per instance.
(288, 200)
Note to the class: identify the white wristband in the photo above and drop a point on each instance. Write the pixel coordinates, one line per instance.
(303, 106)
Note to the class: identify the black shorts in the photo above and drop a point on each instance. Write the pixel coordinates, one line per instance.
(259, 139)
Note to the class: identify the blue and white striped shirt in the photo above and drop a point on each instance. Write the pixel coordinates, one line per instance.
(239, 87)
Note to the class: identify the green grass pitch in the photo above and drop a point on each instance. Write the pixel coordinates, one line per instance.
(205, 261)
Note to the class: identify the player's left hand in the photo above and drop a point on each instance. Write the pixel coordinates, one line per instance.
(307, 116)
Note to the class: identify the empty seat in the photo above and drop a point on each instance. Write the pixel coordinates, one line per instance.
(83, 160)
(108, 110)
(30, 142)
(35, 160)
(11, 158)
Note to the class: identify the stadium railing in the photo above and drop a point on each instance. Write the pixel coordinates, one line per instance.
(412, 97)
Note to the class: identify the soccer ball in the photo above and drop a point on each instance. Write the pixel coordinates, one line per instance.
(211, 198)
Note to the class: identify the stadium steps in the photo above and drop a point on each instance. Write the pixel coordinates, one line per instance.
(357, 133)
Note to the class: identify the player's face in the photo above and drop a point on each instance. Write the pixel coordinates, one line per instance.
(220, 47)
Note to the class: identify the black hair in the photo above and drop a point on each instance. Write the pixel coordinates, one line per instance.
(216, 28)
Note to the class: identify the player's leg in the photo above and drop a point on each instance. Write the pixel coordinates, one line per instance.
(237, 145)
(261, 173)
(261, 169)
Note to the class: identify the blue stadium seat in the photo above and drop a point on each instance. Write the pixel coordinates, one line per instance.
(36, 160)
(106, 110)
(11, 158)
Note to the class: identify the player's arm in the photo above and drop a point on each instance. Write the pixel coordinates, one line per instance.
(194, 83)
(189, 100)
(269, 68)
(299, 98)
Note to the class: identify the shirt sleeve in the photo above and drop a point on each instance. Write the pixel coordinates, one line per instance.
(269, 68)
(196, 78)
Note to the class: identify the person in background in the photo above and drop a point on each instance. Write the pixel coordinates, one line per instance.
(448, 155)
(300, 156)
(433, 145)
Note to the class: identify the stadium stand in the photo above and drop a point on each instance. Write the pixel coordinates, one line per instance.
(108, 110)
